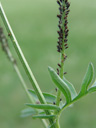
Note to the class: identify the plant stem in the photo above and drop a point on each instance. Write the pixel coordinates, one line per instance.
(22, 58)
(23, 61)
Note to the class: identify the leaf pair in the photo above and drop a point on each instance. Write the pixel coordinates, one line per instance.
(65, 86)
(42, 115)
(68, 89)
(35, 114)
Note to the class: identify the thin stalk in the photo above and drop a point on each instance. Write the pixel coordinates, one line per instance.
(22, 58)
(23, 61)
(4, 44)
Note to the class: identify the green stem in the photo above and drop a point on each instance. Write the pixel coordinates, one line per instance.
(23, 61)
(22, 58)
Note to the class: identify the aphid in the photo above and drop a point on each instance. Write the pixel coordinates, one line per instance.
(57, 70)
(56, 89)
(58, 50)
(65, 73)
(63, 9)
(68, 11)
(65, 44)
(54, 103)
(66, 27)
(66, 47)
(66, 1)
(65, 40)
(59, 65)
(59, 26)
(60, 99)
(66, 21)
(67, 30)
(58, 2)
(66, 34)
(65, 17)
(67, 5)
(65, 24)
(9, 34)
(59, 16)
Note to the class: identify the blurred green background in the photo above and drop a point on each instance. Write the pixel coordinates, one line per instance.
(35, 24)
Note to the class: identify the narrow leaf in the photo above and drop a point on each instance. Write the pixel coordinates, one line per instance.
(71, 88)
(87, 79)
(60, 84)
(28, 112)
(93, 88)
(49, 97)
(43, 106)
(44, 116)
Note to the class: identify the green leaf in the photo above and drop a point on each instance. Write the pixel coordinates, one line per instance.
(49, 97)
(71, 88)
(93, 88)
(44, 116)
(87, 79)
(28, 112)
(60, 84)
(43, 106)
